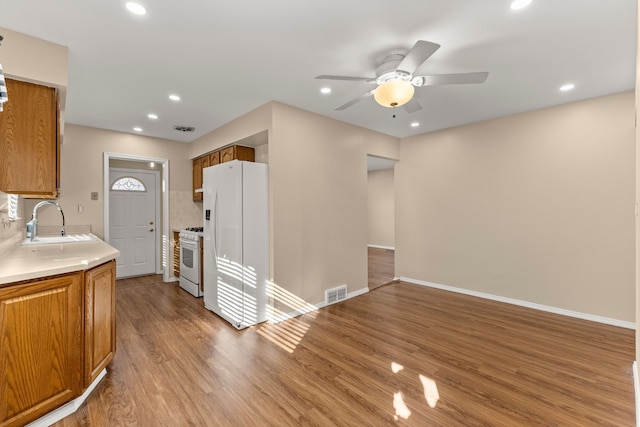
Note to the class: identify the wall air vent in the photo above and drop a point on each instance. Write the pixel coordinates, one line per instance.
(184, 128)
(336, 294)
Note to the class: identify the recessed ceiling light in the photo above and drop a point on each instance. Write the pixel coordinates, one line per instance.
(137, 129)
(520, 4)
(174, 97)
(325, 90)
(415, 124)
(136, 8)
(567, 87)
(152, 116)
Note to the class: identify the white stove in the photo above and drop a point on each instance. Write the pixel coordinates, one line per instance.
(190, 277)
(192, 233)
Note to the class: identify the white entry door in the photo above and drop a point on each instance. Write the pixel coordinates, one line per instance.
(133, 220)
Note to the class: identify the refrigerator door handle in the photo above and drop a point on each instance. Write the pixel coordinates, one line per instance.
(215, 230)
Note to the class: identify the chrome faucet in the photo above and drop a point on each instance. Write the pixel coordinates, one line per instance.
(32, 226)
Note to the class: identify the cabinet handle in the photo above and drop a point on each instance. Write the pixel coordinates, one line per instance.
(151, 230)
(150, 222)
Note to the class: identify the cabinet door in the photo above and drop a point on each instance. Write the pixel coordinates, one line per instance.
(228, 154)
(29, 140)
(40, 347)
(197, 179)
(205, 161)
(237, 152)
(245, 153)
(100, 319)
(214, 158)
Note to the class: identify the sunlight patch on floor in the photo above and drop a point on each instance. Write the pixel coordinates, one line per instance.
(282, 329)
(430, 391)
(402, 411)
(286, 335)
(396, 367)
(284, 304)
(431, 394)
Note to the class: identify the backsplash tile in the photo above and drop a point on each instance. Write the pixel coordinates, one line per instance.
(183, 211)
(9, 228)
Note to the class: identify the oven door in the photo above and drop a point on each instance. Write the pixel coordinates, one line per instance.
(190, 261)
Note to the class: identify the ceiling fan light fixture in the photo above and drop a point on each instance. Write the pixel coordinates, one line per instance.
(136, 8)
(520, 4)
(394, 93)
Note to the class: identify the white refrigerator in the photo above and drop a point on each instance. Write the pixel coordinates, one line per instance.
(236, 241)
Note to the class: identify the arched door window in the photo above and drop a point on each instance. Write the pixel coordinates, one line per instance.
(128, 183)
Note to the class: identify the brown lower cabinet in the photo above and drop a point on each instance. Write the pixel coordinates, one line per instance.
(100, 319)
(176, 253)
(47, 328)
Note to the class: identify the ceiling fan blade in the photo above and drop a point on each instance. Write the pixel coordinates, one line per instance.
(348, 78)
(419, 53)
(362, 97)
(453, 79)
(413, 105)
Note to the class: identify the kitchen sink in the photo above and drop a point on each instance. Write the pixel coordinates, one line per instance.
(49, 240)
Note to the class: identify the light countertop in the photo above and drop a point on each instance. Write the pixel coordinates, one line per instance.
(34, 261)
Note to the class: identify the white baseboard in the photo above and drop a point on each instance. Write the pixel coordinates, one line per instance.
(312, 307)
(68, 408)
(391, 248)
(535, 306)
(636, 388)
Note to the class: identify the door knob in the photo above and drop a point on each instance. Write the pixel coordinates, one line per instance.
(151, 230)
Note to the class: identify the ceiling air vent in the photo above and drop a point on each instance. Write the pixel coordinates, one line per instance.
(184, 128)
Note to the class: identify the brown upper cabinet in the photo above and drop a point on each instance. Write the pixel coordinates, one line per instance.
(235, 152)
(30, 141)
(197, 179)
(214, 158)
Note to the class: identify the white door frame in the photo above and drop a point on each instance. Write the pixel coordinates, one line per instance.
(162, 257)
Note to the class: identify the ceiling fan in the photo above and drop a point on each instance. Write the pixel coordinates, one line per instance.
(396, 83)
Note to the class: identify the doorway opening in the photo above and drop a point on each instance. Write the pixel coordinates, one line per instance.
(162, 240)
(381, 221)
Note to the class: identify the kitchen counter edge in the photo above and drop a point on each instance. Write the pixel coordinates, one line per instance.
(23, 263)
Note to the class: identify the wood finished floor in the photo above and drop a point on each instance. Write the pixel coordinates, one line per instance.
(381, 267)
(400, 355)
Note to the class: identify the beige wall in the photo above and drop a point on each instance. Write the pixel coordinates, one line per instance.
(36, 60)
(536, 207)
(381, 208)
(255, 122)
(318, 184)
(637, 182)
(82, 172)
(318, 196)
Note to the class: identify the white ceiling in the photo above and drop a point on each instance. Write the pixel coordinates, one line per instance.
(225, 58)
